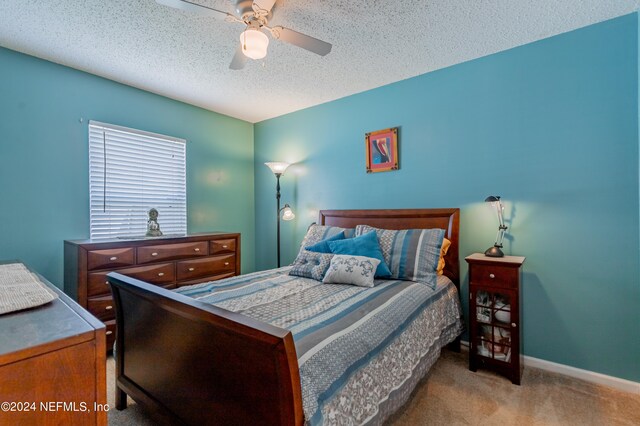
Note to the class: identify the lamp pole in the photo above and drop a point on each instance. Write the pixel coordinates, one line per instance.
(278, 168)
(278, 213)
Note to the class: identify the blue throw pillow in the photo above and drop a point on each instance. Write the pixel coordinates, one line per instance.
(323, 246)
(365, 245)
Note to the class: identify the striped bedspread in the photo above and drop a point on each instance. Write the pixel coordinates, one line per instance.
(360, 350)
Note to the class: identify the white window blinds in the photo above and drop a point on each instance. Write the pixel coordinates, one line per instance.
(130, 172)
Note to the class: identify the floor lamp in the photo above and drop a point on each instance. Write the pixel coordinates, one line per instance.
(278, 169)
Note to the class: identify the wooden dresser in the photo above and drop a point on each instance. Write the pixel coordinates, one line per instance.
(52, 365)
(168, 262)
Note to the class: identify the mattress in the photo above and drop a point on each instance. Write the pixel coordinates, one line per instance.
(361, 351)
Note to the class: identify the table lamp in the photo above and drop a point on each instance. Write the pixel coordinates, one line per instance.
(496, 251)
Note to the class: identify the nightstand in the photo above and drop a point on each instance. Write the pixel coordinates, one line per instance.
(494, 314)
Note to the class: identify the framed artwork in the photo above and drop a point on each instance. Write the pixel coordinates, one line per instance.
(382, 150)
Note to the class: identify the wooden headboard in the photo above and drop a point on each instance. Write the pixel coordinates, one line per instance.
(447, 219)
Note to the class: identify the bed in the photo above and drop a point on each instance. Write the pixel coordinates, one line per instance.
(225, 353)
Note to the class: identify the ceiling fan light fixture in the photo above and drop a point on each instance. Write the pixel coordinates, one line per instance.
(254, 43)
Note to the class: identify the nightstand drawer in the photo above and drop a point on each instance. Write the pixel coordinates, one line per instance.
(493, 275)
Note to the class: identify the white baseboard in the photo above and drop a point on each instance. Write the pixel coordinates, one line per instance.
(578, 373)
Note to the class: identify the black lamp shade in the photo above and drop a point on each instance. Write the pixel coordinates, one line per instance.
(494, 252)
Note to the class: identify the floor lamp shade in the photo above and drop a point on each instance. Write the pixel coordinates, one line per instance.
(287, 213)
(277, 167)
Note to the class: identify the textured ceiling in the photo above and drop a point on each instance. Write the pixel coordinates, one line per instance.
(186, 57)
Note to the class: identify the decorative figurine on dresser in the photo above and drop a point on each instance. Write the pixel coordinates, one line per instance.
(494, 314)
(153, 227)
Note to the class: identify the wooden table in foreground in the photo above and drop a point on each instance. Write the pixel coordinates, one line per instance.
(52, 365)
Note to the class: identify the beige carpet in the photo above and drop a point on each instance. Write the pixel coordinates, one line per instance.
(452, 395)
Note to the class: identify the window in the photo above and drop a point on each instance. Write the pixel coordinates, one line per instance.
(130, 172)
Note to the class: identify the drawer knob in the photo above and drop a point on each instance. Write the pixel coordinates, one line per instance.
(109, 332)
(196, 249)
(492, 276)
(225, 246)
(108, 307)
(514, 325)
(154, 254)
(226, 263)
(192, 269)
(161, 274)
(113, 258)
(106, 282)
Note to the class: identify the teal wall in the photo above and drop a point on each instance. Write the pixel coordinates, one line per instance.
(551, 126)
(44, 178)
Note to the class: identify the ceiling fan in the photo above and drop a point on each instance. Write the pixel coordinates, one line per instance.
(255, 15)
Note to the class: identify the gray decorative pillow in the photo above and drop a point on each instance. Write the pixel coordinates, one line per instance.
(310, 264)
(317, 233)
(410, 254)
(348, 269)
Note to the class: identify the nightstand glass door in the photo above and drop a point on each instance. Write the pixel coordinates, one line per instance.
(493, 324)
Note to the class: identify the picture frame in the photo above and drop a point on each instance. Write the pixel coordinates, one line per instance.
(382, 150)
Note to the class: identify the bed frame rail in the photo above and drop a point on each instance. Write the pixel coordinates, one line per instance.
(230, 369)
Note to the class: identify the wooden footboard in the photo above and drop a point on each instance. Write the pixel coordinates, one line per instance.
(193, 363)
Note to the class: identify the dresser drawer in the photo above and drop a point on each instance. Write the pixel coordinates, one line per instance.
(102, 259)
(162, 273)
(206, 279)
(222, 246)
(102, 308)
(110, 333)
(192, 269)
(172, 251)
(493, 275)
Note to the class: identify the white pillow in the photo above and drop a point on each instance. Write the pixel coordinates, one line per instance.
(349, 269)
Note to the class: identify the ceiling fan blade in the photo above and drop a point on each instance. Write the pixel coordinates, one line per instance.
(239, 60)
(302, 40)
(264, 4)
(195, 8)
